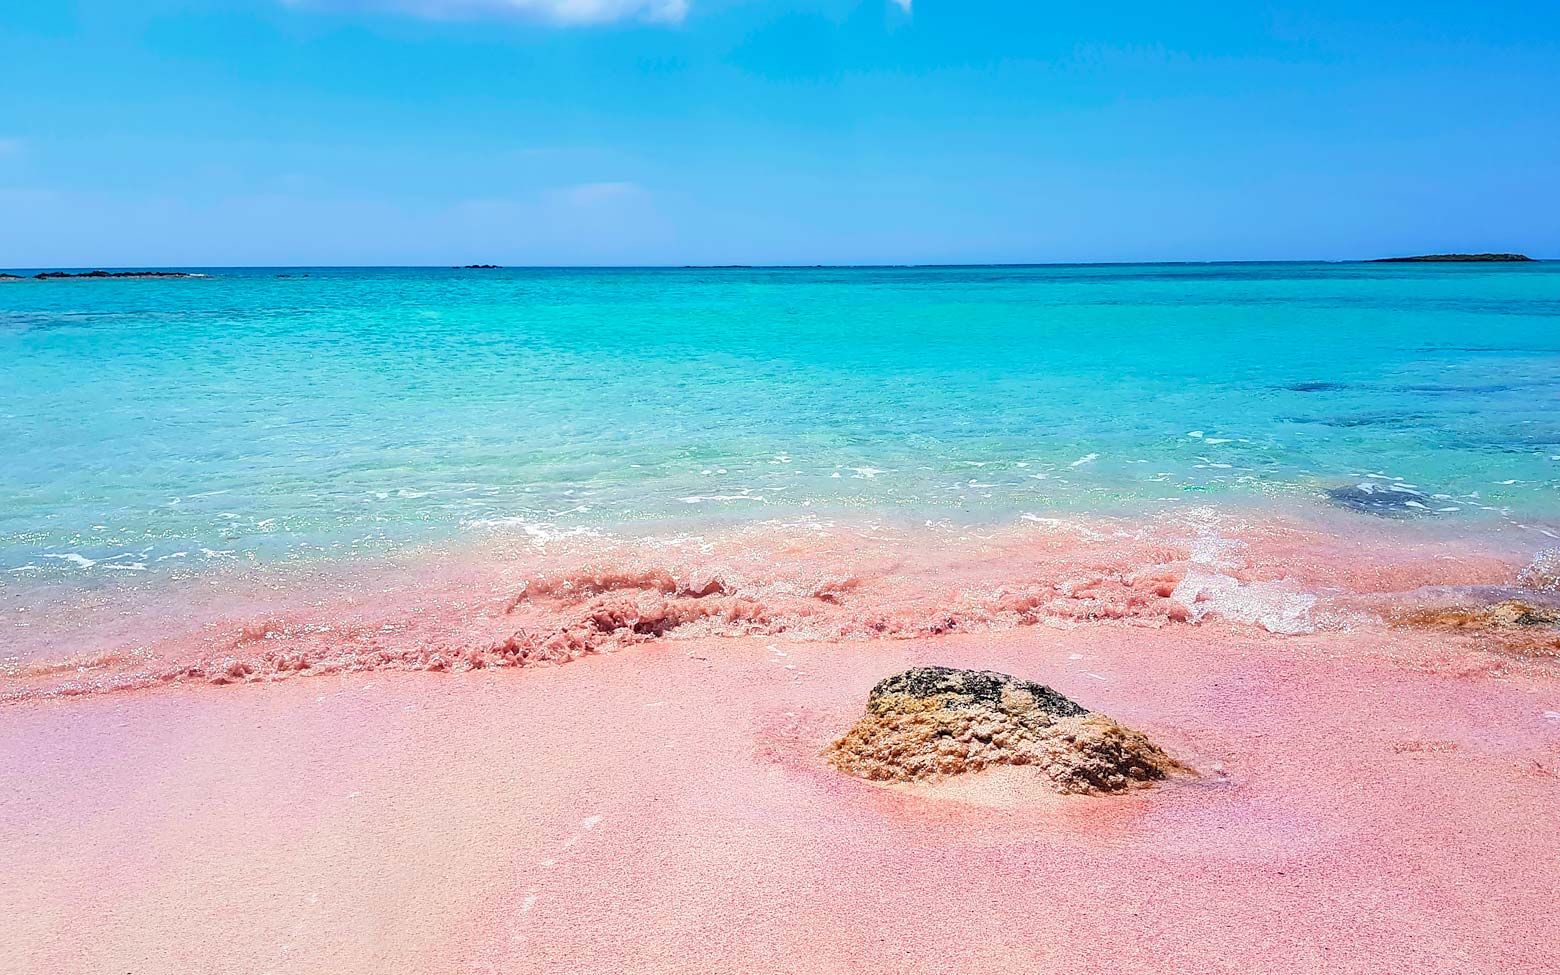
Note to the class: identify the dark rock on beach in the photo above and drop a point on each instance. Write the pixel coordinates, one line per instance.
(932, 722)
(972, 689)
(1389, 500)
(1453, 259)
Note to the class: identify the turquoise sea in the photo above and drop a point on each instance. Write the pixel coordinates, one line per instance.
(277, 414)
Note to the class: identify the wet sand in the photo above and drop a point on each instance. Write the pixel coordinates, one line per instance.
(666, 809)
(1371, 799)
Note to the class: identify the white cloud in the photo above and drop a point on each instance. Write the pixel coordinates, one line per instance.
(562, 12)
(596, 194)
(903, 5)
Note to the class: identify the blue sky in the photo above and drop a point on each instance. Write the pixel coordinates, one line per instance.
(200, 132)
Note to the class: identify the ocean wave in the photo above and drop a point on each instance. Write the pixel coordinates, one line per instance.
(801, 582)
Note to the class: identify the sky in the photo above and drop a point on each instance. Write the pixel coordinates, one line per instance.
(568, 132)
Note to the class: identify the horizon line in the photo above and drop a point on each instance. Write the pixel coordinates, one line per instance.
(735, 267)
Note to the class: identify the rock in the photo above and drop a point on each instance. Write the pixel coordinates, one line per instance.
(1523, 628)
(932, 722)
(1453, 259)
(52, 275)
(1507, 614)
(1387, 499)
(1315, 387)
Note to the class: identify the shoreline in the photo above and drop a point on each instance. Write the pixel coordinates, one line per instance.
(517, 597)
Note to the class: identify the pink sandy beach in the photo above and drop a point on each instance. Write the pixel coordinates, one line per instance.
(635, 784)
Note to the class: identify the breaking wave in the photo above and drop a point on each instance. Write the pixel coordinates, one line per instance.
(830, 584)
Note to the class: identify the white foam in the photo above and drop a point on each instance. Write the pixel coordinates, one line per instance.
(1543, 572)
(73, 558)
(1215, 551)
(701, 498)
(1277, 607)
(1087, 459)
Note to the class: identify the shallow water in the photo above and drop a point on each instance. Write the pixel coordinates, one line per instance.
(271, 415)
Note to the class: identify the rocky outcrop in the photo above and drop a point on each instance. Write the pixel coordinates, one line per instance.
(52, 275)
(1453, 259)
(933, 722)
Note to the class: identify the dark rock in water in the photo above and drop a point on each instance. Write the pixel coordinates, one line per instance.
(52, 275)
(1452, 259)
(931, 722)
(1381, 499)
(481, 267)
(10, 277)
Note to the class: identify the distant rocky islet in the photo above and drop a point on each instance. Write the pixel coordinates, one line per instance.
(59, 275)
(1455, 259)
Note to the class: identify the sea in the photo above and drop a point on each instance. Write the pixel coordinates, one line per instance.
(155, 429)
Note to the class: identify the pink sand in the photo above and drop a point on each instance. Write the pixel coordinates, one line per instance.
(1372, 800)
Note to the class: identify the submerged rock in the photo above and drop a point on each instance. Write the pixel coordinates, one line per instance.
(1528, 628)
(1392, 500)
(1506, 614)
(931, 722)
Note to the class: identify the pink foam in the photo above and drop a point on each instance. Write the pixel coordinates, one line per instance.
(514, 606)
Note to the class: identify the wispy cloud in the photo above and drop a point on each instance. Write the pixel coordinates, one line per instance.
(596, 194)
(561, 12)
(10, 147)
(903, 5)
